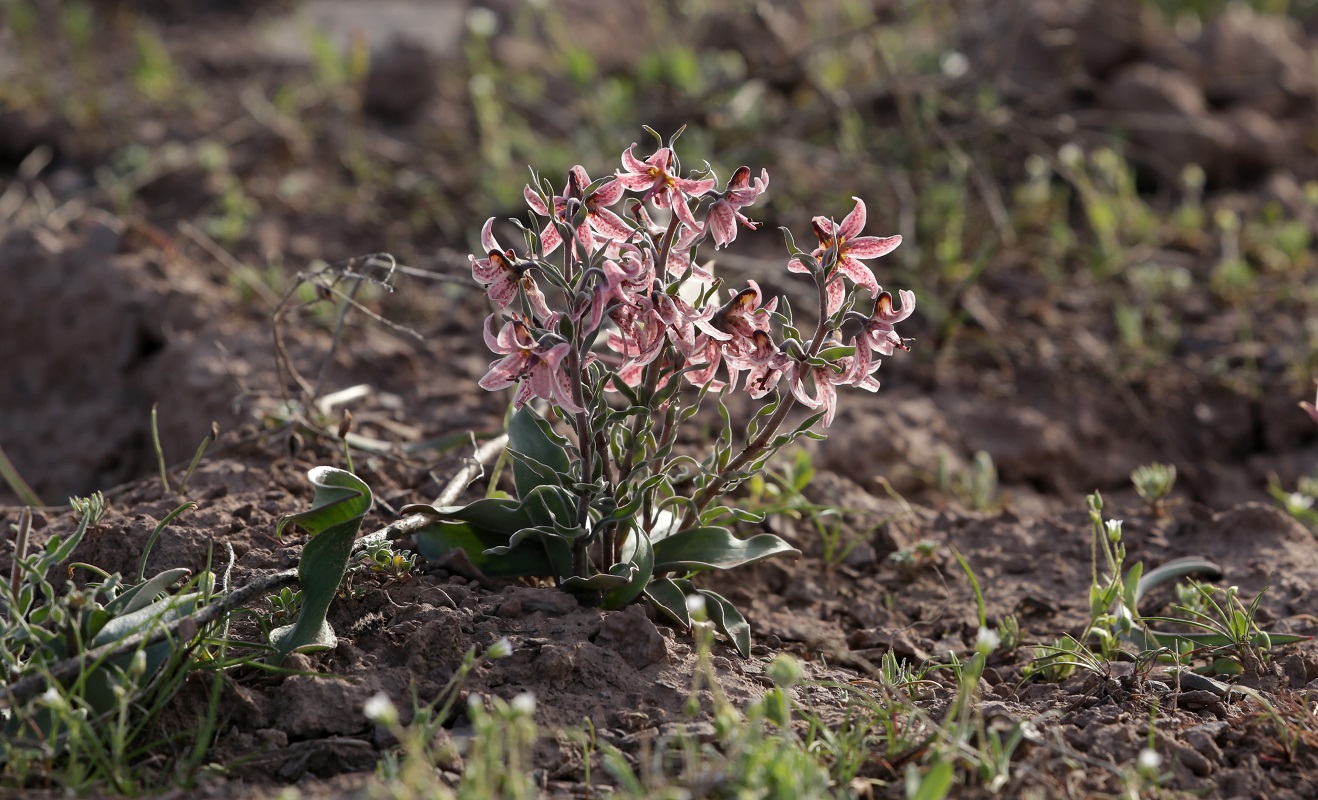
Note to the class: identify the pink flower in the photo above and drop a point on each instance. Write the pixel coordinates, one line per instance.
(743, 314)
(665, 189)
(850, 248)
(501, 276)
(1311, 410)
(764, 361)
(797, 373)
(538, 369)
(683, 321)
(598, 217)
(879, 332)
(726, 212)
(858, 370)
(496, 272)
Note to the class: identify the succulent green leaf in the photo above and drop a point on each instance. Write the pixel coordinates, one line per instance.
(640, 565)
(725, 616)
(539, 455)
(666, 596)
(439, 538)
(337, 509)
(714, 547)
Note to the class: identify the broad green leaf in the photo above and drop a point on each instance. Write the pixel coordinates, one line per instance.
(337, 508)
(490, 514)
(599, 582)
(669, 599)
(439, 538)
(714, 548)
(543, 455)
(641, 563)
(725, 616)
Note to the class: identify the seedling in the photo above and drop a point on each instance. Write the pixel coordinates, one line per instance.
(1153, 483)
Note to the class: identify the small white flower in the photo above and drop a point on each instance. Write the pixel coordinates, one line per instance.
(1071, 155)
(987, 641)
(695, 605)
(954, 64)
(1114, 530)
(52, 698)
(1298, 502)
(500, 649)
(524, 704)
(482, 22)
(1149, 760)
(380, 709)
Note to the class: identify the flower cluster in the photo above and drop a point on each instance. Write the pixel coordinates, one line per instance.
(636, 286)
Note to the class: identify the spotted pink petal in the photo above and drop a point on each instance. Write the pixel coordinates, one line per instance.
(533, 200)
(828, 400)
(609, 225)
(797, 381)
(550, 239)
(872, 246)
(858, 272)
(835, 293)
(854, 222)
(606, 195)
(722, 223)
(491, 341)
(795, 265)
(503, 290)
(487, 236)
(631, 163)
(683, 212)
(505, 372)
(694, 187)
(524, 394)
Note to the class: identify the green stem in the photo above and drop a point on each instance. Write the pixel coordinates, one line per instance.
(757, 446)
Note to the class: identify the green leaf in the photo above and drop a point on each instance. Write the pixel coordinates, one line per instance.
(725, 616)
(714, 548)
(833, 353)
(337, 508)
(599, 582)
(641, 564)
(436, 540)
(539, 456)
(143, 594)
(933, 785)
(669, 599)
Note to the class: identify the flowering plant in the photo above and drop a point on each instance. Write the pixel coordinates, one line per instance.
(609, 318)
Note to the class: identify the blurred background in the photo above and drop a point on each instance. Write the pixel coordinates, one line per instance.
(1108, 211)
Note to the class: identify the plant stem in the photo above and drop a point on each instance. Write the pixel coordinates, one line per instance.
(757, 446)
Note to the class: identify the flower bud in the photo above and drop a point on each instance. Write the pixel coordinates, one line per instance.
(1114, 530)
(785, 671)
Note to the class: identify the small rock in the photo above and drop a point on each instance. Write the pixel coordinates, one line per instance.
(1256, 60)
(1193, 759)
(1204, 740)
(634, 636)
